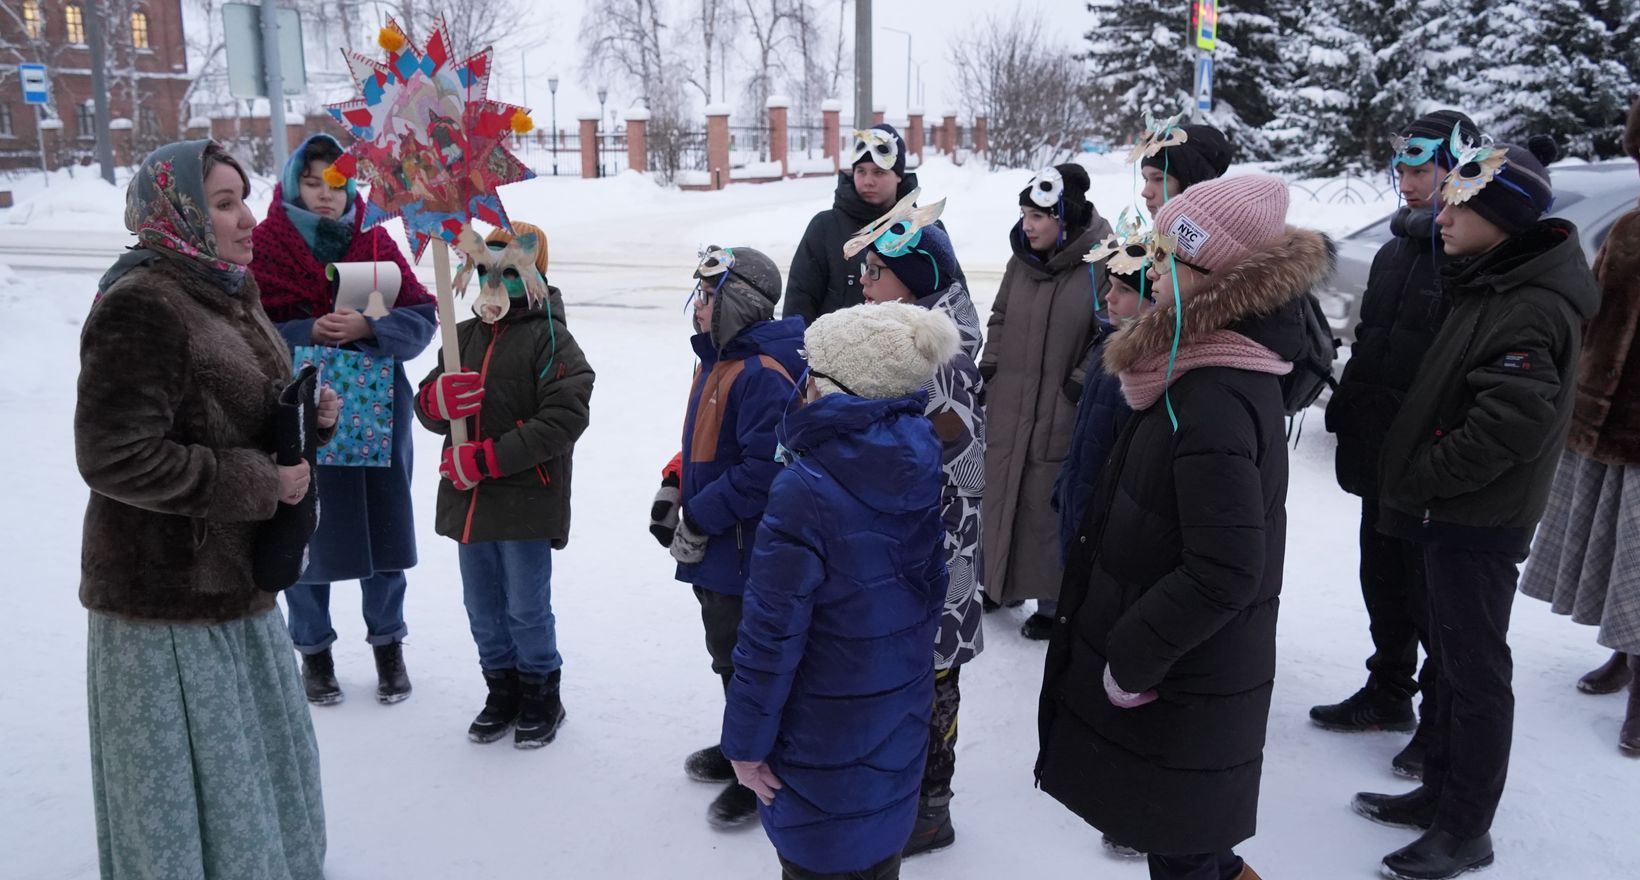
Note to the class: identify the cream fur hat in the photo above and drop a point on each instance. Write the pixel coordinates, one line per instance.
(879, 351)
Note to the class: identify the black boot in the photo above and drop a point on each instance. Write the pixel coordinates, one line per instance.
(1409, 762)
(735, 806)
(932, 832)
(540, 711)
(1367, 709)
(1439, 856)
(319, 679)
(1037, 628)
(500, 707)
(1609, 678)
(709, 765)
(1119, 851)
(1629, 739)
(392, 681)
(1415, 809)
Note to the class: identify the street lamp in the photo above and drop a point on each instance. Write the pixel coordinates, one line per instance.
(603, 93)
(552, 86)
(908, 64)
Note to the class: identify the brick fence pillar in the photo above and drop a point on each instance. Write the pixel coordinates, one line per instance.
(948, 134)
(914, 133)
(779, 132)
(120, 139)
(637, 139)
(717, 144)
(982, 136)
(831, 112)
(879, 114)
(589, 145)
(51, 134)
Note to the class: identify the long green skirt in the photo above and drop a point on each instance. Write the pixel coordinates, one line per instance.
(203, 761)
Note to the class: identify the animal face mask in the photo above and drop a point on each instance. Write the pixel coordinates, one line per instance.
(498, 269)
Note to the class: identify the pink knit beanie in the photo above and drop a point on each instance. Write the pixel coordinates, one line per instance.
(1220, 223)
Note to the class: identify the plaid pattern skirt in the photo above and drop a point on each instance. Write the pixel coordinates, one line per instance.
(1585, 559)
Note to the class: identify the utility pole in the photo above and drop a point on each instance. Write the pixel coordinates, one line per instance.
(99, 88)
(862, 64)
(277, 134)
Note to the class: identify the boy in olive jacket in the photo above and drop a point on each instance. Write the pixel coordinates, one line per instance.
(1466, 469)
(525, 389)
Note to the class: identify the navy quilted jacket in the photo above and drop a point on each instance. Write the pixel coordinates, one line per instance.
(1100, 415)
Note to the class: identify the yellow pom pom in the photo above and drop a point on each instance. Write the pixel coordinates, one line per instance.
(522, 123)
(390, 39)
(334, 178)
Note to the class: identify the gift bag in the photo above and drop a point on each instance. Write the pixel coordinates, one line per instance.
(364, 436)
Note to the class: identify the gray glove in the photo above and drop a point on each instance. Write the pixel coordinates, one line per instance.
(663, 514)
(688, 545)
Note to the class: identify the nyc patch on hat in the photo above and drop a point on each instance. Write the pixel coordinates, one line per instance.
(1190, 235)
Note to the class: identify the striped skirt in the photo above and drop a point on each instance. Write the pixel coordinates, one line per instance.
(1585, 559)
(203, 761)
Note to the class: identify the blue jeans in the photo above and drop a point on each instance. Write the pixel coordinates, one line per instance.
(507, 587)
(381, 594)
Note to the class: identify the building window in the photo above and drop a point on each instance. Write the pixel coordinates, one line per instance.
(33, 23)
(5, 121)
(148, 121)
(75, 19)
(85, 119)
(139, 30)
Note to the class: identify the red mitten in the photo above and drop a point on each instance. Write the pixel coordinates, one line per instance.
(466, 464)
(452, 396)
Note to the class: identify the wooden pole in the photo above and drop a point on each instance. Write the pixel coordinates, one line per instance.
(447, 326)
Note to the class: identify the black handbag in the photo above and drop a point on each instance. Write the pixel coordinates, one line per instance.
(281, 553)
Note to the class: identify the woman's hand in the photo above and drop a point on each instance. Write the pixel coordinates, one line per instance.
(330, 409)
(757, 776)
(341, 327)
(293, 482)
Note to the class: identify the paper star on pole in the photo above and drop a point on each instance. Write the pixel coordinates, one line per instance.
(427, 140)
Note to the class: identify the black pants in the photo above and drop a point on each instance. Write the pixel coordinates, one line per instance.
(887, 869)
(1205, 866)
(942, 739)
(720, 612)
(1392, 584)
(1471, 593)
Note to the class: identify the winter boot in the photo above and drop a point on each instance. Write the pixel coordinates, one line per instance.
(1037, 628)
(319, 679)
(540, 711)
(1247, 873)
(990, 604)
(1611, 677)
(735, 806)
(709, 765)
(1409, 762)
(1629, 739)
(1367, 709)
(1119, 851)
(933, 830)
(392, 681)
(1415, 809)
(1439, 855)
(500, 707)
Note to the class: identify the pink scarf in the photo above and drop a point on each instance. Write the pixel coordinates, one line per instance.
(1144, 383)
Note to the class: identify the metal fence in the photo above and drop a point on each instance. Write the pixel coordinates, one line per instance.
(748, 143)
(1350, 189)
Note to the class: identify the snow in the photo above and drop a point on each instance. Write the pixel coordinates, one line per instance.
(407, 796)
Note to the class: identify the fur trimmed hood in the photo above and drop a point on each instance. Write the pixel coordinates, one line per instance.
(1277, 276)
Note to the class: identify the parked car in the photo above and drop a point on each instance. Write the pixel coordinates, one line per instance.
(1590, 196)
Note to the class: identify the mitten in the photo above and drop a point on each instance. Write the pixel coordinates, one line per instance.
(688, 545)
(1123, 699)
(451, 396)
(280, 554)
(466, 464)
(663, 514)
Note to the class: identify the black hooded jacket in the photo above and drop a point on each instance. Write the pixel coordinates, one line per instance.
(821, 280)
(1401, 313)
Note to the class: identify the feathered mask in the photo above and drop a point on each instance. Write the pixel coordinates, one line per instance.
(495, 267)
(877, 144)
(1476, 166)
(898, 231)
(1158, 136)
(1129, 249)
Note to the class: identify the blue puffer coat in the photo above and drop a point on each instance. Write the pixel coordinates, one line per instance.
(737, 400)
(1100, 414)
(833, 684)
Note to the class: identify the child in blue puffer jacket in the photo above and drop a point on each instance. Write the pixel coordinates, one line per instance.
(829, 708)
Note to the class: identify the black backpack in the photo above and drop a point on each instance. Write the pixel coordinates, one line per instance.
(1312, 369)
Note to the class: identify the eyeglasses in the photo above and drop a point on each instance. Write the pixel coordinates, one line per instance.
(873, 271)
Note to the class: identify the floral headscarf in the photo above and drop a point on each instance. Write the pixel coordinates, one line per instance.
(166, 207)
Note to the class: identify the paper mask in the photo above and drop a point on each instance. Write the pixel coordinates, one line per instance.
(1475, 167)
(495, 267)
(1158, 136)
(899, 230)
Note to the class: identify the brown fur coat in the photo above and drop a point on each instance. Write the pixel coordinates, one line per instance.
(1606, 417)
(173, 433)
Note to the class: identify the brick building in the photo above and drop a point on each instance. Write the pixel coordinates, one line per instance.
(147, 69)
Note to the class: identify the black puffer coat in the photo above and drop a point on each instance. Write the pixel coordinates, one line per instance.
(821, 280)
(1174, 582)
(1401, 313)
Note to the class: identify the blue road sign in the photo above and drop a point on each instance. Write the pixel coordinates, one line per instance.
(36, 88)
(1204, 81)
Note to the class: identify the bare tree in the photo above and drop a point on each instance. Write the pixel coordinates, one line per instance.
(621, 40)
(1030, 88)
(770, 23)
(809, 82)
(840, 60)
(708, 24)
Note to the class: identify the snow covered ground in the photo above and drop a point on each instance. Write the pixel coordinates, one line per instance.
(408, 797)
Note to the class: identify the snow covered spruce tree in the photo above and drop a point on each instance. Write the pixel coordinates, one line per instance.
(1254, 67)
(1398, 35)
(1137, 61)
(1318, 129)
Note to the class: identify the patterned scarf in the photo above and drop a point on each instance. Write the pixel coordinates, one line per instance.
(165, 206)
